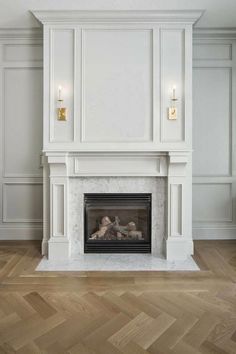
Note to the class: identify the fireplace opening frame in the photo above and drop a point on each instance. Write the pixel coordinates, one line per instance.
(117, 246)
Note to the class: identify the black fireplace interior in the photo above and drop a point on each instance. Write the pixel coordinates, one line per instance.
(117, 223)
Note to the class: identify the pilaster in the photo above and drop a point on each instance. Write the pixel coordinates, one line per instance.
(58, 244)
(179, 244)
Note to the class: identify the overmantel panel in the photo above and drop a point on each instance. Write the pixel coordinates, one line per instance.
(117, 85)
(172, 74)
(117, 70)
(61, 64)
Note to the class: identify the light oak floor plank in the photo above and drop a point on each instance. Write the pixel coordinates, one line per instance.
(118, 312)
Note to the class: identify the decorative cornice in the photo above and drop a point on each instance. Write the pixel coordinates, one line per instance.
(146, 16)
(214, 33)
(21, 33)
(198, 33)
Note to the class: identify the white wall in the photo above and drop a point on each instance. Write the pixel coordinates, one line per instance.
(21, 135)
(214, 123)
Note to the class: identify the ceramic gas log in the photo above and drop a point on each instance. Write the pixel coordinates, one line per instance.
(114, 231)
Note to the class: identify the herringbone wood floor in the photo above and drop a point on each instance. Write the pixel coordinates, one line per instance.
(114, 313)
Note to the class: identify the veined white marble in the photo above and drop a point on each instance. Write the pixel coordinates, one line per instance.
(118, 262)
(79, 186)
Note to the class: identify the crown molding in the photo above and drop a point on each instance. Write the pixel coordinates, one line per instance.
(21, 33)
(146, 16)
(198, 33)
(214, 33)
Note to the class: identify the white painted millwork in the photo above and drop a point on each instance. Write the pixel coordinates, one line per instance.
(117, 70)
(179, 225)
(214, 122)
(21, 134)
(58, 243)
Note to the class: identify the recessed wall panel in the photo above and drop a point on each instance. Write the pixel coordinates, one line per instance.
(172, 74)
(176, 209)
(211, 121)
(117, 85)
(58, 210)
(22, 202)
(212, 202)
(23, 121)
(62, 71)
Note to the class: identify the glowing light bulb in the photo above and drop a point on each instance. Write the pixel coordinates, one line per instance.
(59, 93)
(174, 92)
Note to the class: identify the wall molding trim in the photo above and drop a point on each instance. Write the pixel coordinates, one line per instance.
(21, 33)
(9, 33)
(214, 33)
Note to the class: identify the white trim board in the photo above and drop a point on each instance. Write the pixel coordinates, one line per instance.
(21, 233)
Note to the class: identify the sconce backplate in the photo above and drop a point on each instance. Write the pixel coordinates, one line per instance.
(61, 114)
(172, 113)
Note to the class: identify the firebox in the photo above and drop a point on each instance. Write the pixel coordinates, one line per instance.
(117, 223)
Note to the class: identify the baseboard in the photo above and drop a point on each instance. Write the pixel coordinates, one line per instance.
(21, 233)
(214, 233)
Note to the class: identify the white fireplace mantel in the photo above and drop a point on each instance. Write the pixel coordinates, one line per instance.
(117, 70)
(173, 165)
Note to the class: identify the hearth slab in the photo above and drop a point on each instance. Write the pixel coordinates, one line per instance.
(117, 262)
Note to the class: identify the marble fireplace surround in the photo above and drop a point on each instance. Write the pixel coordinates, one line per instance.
(165, 175)
(79, 186)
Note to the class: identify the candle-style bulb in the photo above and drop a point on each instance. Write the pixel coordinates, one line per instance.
(174, 91)
(59, 92)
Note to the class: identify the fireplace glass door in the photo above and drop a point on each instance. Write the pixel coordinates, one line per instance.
(117, 223)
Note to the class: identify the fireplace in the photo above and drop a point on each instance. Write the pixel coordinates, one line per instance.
(117, 223)
(117, 135)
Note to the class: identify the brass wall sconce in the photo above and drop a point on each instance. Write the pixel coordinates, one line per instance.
(61, 111)
(172, 111)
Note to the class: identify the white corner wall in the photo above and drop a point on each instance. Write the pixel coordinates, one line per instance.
(21, 83)
(214, 129)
